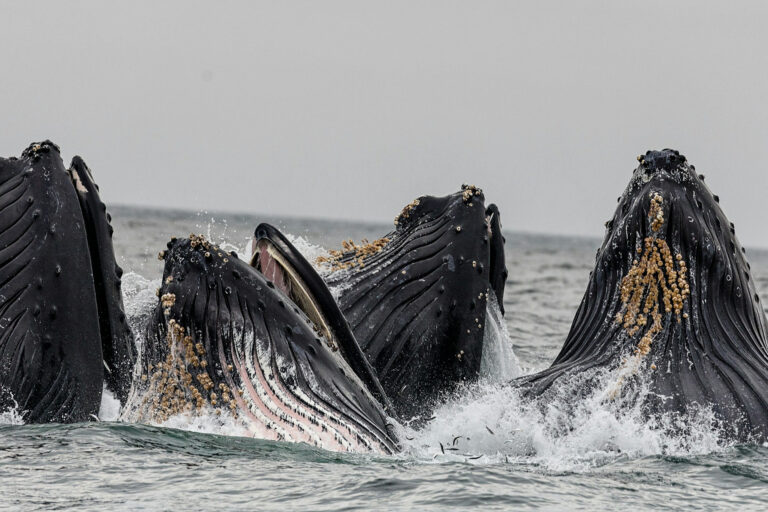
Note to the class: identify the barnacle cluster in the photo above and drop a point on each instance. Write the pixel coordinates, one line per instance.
(353, 253)
(654, 281)
(656, 212)
(181, 383)
(407, 209)
(168, 300)
(467, 191)
(195, 240)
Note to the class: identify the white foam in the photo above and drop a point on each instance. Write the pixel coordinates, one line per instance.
(559, 430)
(110, 406)
(11, 416)
(139, 298)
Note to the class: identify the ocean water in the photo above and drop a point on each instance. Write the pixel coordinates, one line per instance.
(484, 449)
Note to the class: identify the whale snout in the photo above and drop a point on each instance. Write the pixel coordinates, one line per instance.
(666, 159)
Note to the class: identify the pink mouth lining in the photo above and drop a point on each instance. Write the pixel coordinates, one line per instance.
(271, 269)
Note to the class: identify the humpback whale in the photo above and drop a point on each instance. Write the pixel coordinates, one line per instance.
(416, 298)
(229, 339)
(63, 332)
(671, 305)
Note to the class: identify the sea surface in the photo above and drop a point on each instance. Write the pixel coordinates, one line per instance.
(484, 449)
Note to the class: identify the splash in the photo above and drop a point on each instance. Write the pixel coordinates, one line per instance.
(561, 430)
(12, 416)
(110, 406)
(307, 249)
(499, 362)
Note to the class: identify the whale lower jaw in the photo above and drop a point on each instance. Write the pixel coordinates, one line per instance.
(249, 388)
(273, 409)
(227, 341)
(268, 395)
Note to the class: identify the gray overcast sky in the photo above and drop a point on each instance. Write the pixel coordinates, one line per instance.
(352, 109)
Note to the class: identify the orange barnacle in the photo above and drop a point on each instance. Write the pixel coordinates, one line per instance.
(654, 281)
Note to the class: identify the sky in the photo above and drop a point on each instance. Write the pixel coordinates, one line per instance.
(350, 110)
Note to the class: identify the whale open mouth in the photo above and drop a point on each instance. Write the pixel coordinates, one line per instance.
(279, 261)
(274, 265)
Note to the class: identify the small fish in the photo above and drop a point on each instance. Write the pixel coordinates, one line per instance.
(489, 430)
(475, 458)
(455, 439)
(452, 449)
(442, 449)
